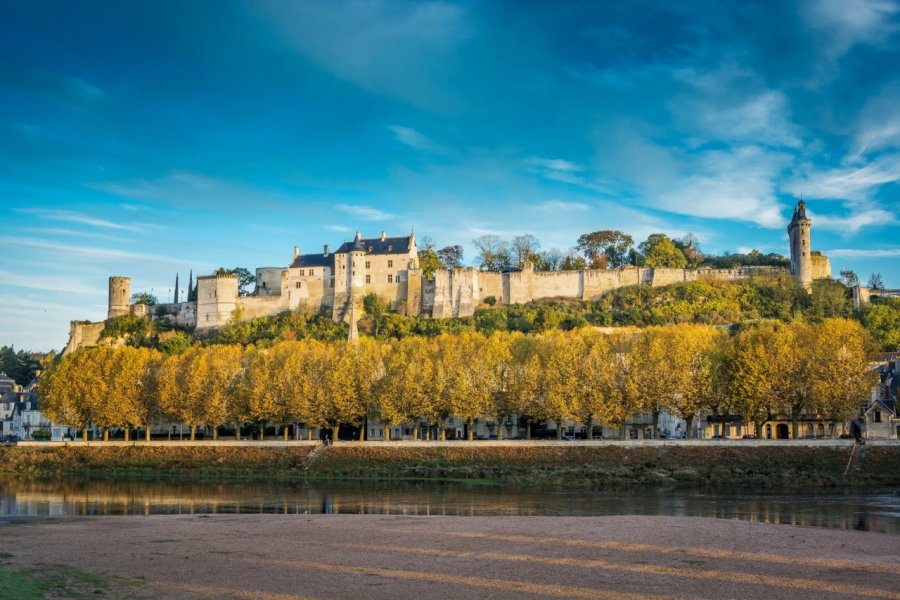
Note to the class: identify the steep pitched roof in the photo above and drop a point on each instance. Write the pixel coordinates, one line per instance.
(388, 245)
(314, 260)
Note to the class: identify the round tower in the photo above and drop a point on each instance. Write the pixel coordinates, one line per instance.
(801, 246)
(119, 297)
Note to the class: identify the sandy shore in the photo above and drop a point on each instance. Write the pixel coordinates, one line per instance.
(389, 557)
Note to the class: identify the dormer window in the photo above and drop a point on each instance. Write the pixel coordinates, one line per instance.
(370, 248)
(390, 248)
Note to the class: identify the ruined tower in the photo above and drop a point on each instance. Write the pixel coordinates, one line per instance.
(119, 297)
(801, 246)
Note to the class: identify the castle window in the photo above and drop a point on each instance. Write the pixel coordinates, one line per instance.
(368, 279)
(877, 416)
(390, 264)
(311, 272)
(368, 265)
(302, 273)
(390, 279)
(297, 285)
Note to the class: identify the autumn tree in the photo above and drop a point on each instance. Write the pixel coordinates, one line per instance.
(404, 390)
(68, 391)
(605, 249)
(841, 378)
(658, 251)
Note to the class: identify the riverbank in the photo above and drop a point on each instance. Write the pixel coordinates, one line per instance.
(303, 557)
(584, 465)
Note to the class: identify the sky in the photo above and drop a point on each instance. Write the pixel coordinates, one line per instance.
(149, 139)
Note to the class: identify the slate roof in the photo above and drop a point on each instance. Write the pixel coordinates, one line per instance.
(314, 260)
(389, 245)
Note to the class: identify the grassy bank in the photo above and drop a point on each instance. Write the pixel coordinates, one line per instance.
(155, 462)
(566, 466)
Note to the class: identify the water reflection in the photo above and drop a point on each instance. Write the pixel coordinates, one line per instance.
(869, 510)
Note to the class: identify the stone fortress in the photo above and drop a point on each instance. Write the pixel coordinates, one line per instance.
(335, 283)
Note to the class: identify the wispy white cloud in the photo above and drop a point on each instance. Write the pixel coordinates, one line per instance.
(558, 169)
(414, 139)
(879, 123)
(846, 23)
(83, 89)
(338, 228)
(187, 189)
(79, 218)
(366, 213)
(864, 252)
(856, 184)
(383, 47)
(57, 283)
(557, 206)
(90, 251)
(852, 224)
(732, 104)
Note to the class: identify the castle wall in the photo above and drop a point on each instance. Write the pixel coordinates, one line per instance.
(251, 307)
(490, 284)
(82, 335)
(597, 282)
(414, 292)
(664, 276)
(821, 266)
(552, 284)
(309, 287)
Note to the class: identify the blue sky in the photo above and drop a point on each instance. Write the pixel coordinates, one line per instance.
(149, 138)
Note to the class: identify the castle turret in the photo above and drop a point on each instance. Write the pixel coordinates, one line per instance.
(216, 299)
(801, 244)
(119, 297)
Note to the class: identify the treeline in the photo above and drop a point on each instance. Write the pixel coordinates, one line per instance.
(775, 296)
(22, 365)
(583, 376)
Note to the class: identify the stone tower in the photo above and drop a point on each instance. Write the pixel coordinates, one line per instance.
(801, 246)
(119, 297)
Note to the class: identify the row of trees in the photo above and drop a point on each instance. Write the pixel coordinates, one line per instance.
(607, 249)
(583, 376)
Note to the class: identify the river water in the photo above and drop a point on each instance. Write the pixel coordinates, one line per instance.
(868, 510)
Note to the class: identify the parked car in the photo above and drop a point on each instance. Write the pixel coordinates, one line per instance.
(717, 438)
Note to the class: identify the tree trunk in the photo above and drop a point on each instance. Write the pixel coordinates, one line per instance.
(387, 433)
(147, 433)
(442, 434)
(309, 434)
(689, 423)
(262, 431)
(106, 434)
(334, 432)
(237, 431)
(215, 433)
(795, 424)
(589, 428)
(527, 429)
(362, 433)
(84, 434)
(285, 432)
(559, 430)
(499, 430)
(655, 432)
(471, 432)
(416, 432)
(193, 432)
(128, 434)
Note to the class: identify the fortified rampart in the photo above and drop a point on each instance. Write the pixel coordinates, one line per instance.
(335, 283)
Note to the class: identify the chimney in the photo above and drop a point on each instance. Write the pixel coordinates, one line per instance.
(296, 252)
(382, 235)
(327, 250)
(357, 238)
